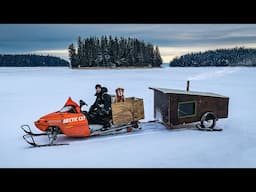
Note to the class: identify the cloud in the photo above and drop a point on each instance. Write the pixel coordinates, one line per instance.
(62, 53)
(173, 39)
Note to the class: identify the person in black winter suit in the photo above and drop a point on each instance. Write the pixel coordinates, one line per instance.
(100, 112)
(98, 99)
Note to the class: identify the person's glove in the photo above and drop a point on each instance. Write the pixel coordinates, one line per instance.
(101, 106)
(105, 112)
(102, 110)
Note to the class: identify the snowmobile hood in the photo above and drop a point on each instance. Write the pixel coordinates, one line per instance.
(54, 115)
(51, 119)
(59, 115)
(55, 119)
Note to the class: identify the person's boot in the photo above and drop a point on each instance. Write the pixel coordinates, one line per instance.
(106, 126)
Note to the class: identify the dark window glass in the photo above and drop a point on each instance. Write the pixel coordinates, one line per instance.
(187, 109)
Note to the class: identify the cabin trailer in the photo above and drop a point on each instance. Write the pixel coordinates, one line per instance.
(176, 107)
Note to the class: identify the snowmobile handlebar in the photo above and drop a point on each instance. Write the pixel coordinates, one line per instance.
(81, 102)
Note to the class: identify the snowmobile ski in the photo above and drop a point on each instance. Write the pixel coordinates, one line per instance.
(30, 140)
(29, 137)
(26, 129)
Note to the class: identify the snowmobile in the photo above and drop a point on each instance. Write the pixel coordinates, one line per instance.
(71, 121)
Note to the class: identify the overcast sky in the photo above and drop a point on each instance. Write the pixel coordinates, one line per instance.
(172, 39)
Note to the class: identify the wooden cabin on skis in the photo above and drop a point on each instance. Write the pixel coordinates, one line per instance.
(176, 107)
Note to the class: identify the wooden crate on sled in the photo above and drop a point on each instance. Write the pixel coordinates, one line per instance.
(131, 110)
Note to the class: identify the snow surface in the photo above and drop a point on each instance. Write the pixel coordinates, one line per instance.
(28, 93)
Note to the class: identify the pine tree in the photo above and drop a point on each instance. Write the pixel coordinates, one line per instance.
(72, 55)
(157, 58)
(79, 51)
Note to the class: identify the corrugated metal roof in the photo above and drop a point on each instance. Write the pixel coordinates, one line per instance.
(184, 92)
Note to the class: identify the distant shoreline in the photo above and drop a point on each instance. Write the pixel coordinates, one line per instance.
(33, 66)
(211, 66)
(120, 68)
(238, 56)
(128, 67)
(31, 60)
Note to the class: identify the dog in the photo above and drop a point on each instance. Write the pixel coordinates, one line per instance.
(119, 95)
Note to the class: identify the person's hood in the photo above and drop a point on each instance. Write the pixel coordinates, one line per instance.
(104, 90)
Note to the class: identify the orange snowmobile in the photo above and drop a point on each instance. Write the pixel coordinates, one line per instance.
(72, 121)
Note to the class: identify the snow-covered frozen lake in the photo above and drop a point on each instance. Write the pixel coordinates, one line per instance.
(28, 93)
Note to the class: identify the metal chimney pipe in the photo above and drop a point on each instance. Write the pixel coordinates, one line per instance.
(187, 85)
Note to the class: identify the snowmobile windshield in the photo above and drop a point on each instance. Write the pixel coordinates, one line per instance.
(68, 109)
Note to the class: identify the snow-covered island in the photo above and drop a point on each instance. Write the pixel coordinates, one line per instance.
(113, 52)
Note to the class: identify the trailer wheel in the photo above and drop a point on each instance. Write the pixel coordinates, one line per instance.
(208, 120)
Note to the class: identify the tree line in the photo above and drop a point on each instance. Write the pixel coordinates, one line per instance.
(238, 56)
(31, 60)
(113, 52)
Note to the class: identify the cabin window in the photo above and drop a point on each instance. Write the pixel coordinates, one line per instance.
(187, 109)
